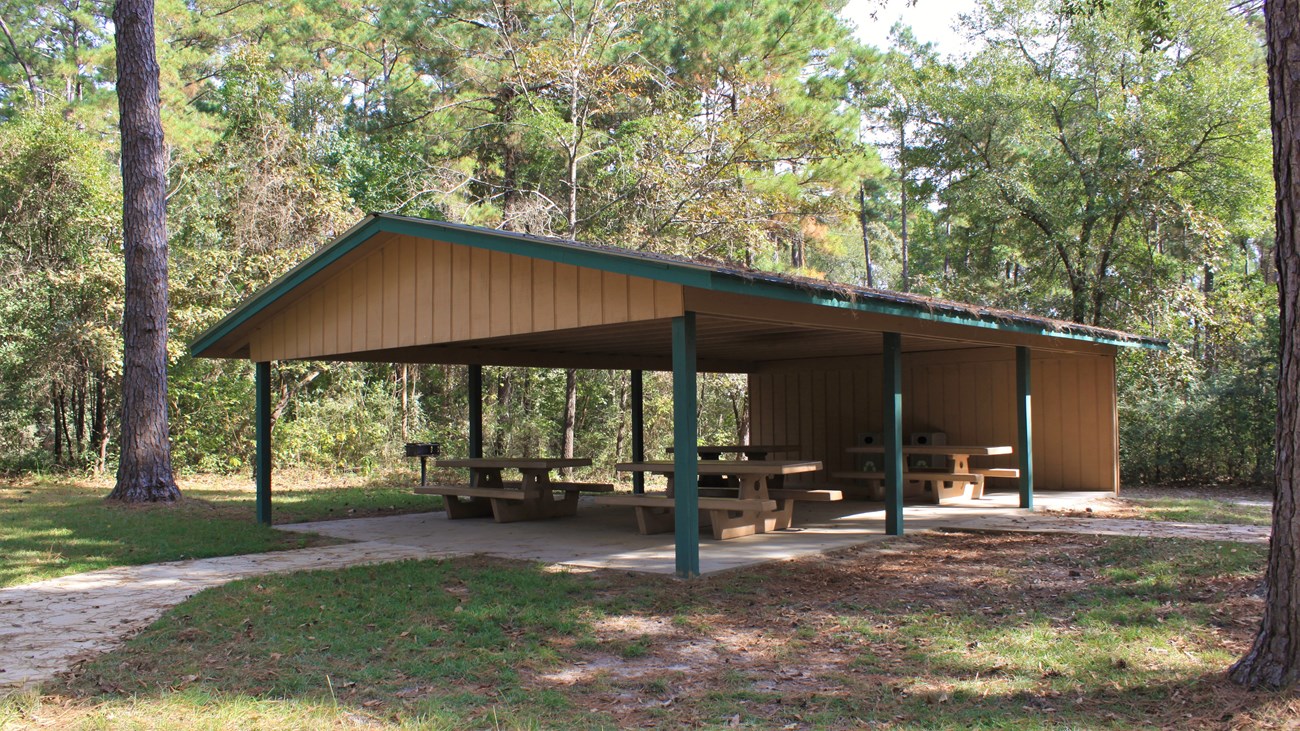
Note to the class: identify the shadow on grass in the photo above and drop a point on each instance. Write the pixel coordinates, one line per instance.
(960, 631)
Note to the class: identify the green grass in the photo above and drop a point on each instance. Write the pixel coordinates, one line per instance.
(1200, 510)
(962, 632)
(57, 528)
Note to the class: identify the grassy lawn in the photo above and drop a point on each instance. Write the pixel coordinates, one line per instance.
(954, 631)
(53, 528)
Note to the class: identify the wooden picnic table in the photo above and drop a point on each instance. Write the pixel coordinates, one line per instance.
(750, 451)
(758, 506)
(531, 498)
(959, 479)
(959, 454)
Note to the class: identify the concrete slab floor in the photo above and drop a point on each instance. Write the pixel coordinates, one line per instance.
(602, 536)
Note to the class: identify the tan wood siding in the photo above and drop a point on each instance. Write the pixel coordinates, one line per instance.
(968, 394)
(408, 291)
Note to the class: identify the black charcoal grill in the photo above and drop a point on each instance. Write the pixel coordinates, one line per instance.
(423, 450)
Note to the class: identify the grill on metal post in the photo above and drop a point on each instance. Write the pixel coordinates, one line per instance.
(423, 450)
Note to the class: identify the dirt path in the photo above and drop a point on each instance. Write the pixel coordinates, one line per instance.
(1114, 527)
(46, 627)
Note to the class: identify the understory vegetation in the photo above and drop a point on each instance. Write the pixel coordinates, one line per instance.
(970, 631)
(1105, 163)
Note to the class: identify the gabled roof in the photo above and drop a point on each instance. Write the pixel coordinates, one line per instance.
(708, 276)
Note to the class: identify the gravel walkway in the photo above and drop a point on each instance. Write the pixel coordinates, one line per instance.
(47, 626)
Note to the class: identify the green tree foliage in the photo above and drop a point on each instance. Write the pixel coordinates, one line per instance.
(1098, 161)
(61, 305)
(1108, 163)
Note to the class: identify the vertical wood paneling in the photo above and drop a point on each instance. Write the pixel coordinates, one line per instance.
(480, 293)
(458, 311)
(668, 299)
(1071, 423)
(641, 298)
(566, 296)
(591, 301)
(819, 421)
(279, 327)
(389, 317)
(500, 309)
(345, 311)
(849, 414)
(1092, 441)
(544, 286)
(315, 325)
(521, 294)
(800, 428)
(983, 402)
(1108, 378)
(408, 291)
(374, 319)
(331, 317)
(424, 279)
(614, 290)
(443, 291)
(1074, 420)
(291, 331)
(407, 311)
(780, 422)
(1045, 386)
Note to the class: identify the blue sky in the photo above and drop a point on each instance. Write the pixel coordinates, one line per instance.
(931, 20)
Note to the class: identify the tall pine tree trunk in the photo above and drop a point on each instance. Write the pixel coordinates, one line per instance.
(1274, 659)
(570, 409)
(866, 239)
(144, 473)
(902, 198)
(98, 426)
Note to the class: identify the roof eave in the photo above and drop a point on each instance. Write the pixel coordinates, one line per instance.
(683, 273)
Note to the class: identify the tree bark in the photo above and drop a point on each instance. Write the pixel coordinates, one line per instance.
(98, 427)
(79, 415)
(56, 408)
(144, 473)
(866, 239)
(570, 409)
(1273, 659)
(902, 197)
(404, 378)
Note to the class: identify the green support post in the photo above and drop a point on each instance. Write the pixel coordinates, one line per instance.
(686, 478)
(892, 376)
(1025, 440)
(476, 411)
(263, 427)
(638, 429)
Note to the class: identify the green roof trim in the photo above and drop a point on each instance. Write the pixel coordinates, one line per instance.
(663, 268)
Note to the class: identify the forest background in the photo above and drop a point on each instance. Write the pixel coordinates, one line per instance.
(1103, 162)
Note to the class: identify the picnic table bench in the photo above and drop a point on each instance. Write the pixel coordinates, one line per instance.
(746, 508)
(531, 498)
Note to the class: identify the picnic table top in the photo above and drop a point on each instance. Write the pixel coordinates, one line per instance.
(950, 449)
(708, 467)
(744, 448)
(507, 463)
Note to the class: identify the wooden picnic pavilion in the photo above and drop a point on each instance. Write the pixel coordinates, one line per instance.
(826, 362)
